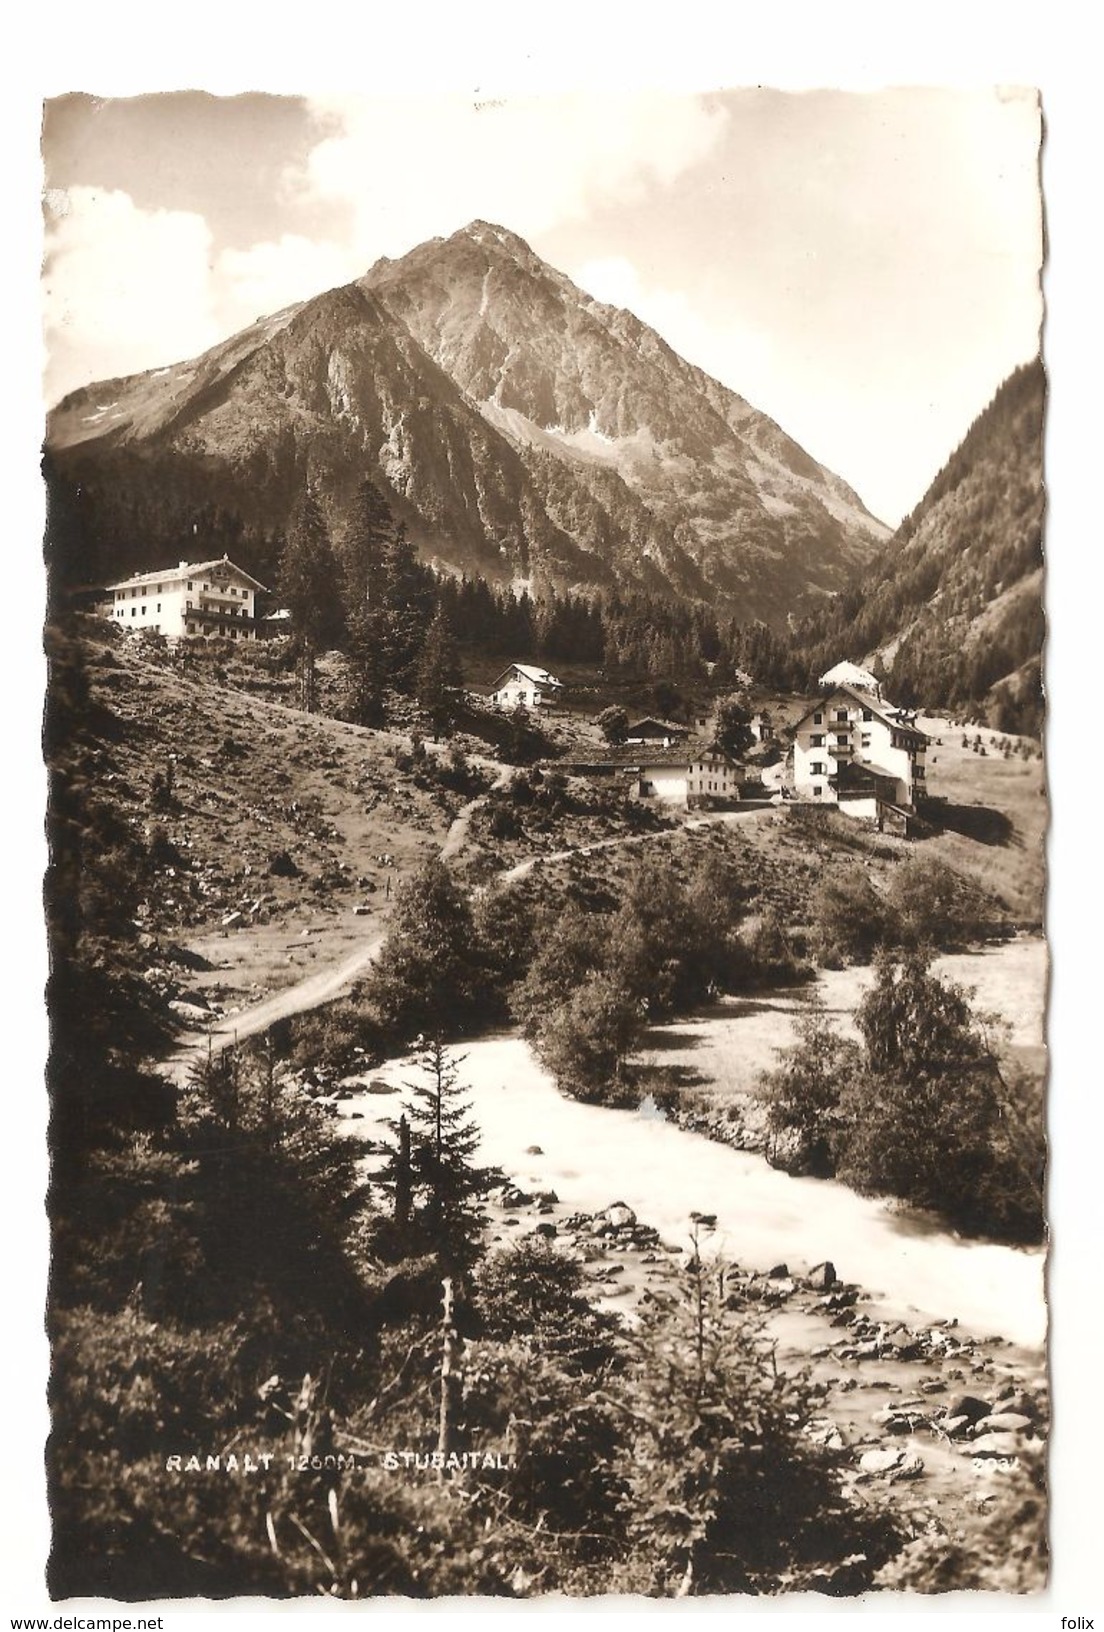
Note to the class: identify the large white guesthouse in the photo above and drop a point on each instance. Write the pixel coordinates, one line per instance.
(195, 598)
(853, 749)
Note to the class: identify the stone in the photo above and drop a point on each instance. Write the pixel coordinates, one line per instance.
(1003, 1422)
(911, 1468)
(996, 1445)
(882, 1460)
(968, 1405)
(1020, 1402)
(533, 1150)
(955, 1427)
(619, 1215)
(780, 1272)
(823, 1276)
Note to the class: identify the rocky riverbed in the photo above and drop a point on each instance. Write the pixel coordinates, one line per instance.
(934, 1417)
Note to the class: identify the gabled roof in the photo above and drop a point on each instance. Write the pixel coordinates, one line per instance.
(537, 677)
(881, 710)
(184, 569)
(851, 674)
(670, 726)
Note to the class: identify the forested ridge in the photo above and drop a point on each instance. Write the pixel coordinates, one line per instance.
(951, 611)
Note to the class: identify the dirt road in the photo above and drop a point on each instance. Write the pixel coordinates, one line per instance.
(522, 868)
(330, 983)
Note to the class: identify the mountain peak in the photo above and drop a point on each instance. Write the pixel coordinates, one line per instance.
(491, 236)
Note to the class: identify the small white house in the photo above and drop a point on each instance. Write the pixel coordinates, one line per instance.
(854, 750)
(529, 686)
(195, 598)
(687, 776)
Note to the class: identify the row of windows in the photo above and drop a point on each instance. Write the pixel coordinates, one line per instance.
(842, 714)
(146, 589)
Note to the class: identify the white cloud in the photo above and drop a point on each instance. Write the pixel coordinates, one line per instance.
(123, 288)
(412, 168)
(738, 355)
(264, 278)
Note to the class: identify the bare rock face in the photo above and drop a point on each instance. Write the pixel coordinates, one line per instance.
(518, 427)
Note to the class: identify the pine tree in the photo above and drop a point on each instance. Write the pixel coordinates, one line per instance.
(447, 1183)
(366, 667)
(368, 538)
(439, 675)
(308, 574)
(406, 604)
(429, 976)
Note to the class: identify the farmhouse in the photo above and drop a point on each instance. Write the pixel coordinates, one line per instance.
(857, 751)
(661, 733)
(196, 598)
(529, 686)
(689, 776)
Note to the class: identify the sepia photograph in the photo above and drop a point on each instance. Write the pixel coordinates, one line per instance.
(547, 819)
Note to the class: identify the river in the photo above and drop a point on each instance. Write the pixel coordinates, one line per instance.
(592, 1156)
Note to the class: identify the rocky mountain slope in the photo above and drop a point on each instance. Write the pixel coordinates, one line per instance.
(521, 430)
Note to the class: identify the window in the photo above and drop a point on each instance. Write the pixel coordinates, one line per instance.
(134, 611)
(816, 793)
(159, 606)
(818, 739)
(190, 584)
(868, 714)
(818, 719)
(866, 739)
(191, 628)
(841, 713)
(816, 768)
(842, 739)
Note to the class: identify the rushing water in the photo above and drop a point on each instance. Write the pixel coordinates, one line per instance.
(592, 1156)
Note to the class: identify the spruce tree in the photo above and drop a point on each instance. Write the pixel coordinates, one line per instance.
(447, 1183)
(366, 666)
(439, 674)
(307, 577)
(367, 540)
(406, 605)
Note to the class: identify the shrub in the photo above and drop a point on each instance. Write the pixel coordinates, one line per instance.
(936, 905)
(851, 919)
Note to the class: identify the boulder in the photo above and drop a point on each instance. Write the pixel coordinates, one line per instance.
(968, 1405)
(1020, 1402)
(955, 1427)
(1012, 1422)
(882, 1460)
(619, 1215)
(823, 1276)
(780, 1272)
(995, 1445)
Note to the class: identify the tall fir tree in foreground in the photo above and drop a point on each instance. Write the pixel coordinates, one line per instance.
(446, 1182)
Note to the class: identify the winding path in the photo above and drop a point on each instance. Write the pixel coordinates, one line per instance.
(327, 984)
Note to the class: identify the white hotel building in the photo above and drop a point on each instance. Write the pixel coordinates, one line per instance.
(213, 598)
(855, 750)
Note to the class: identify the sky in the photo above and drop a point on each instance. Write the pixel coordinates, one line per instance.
(863, 266)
